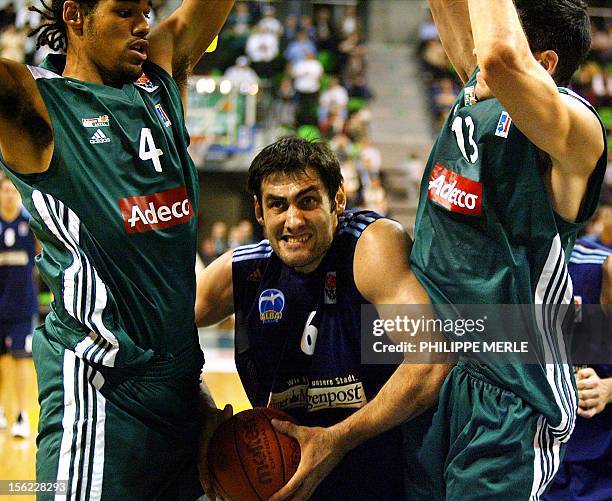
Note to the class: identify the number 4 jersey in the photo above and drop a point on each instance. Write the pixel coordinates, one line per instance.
(486, 233)
(116, 216)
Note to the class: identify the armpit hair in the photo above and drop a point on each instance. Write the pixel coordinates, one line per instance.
(181, 69)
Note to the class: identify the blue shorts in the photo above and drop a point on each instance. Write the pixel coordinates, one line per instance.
(16, 336)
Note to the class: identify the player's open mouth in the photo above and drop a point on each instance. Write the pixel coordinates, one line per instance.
(141, 48)
(295, 240)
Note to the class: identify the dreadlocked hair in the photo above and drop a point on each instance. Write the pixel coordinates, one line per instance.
(53, 30)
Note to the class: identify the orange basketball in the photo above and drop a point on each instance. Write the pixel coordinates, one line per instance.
(249, 459)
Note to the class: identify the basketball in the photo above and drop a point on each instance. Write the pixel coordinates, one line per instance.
(249, 459)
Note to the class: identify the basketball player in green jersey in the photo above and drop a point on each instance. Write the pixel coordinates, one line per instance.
(515, 172)
(95, 142)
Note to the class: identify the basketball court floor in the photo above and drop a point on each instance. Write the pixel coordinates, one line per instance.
(17, 456)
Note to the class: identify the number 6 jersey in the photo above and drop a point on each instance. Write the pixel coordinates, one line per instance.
(116, 216)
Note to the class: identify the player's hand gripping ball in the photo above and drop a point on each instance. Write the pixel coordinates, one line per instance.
(249, 459)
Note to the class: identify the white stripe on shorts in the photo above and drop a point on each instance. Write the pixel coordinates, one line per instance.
(84, 407)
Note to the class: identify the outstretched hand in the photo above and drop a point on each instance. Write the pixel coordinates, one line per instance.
(210, 422)
(321, 450)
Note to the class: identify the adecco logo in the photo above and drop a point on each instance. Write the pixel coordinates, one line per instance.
(157, 211)
(455, 192)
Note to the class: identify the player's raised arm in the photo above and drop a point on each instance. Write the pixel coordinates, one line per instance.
(521, 78)
(179, 41)
(453, 23)
(215, 291)
(26, 135)
(381, 252)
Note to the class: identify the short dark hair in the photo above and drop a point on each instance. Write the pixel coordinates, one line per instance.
(560, 25)
(292, 155)
(53, 31)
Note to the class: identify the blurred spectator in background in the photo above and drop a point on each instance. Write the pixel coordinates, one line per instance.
(262, 47)
(370, 157)
(241, 75)
(307, 25)
(375, 196)
(307, 75)
(350, 24)
(291, 28)
(218, 234)
(298, 48)
(268, 23)
(285, 104)
(246, 232)
(352, 183)
(240, 19)
(334, 99)
(12, 44)
(326, 35)
(208, 252)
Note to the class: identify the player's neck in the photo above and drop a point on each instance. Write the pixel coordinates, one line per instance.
(80, 67)
(9, 215)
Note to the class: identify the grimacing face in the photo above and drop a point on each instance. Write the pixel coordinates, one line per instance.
(297, 216)
(114, 36)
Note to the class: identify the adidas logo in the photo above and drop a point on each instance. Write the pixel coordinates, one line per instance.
(256, 276)
(99, 137)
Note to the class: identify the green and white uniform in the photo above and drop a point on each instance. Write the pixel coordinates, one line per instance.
(486, 233)
(118, 359)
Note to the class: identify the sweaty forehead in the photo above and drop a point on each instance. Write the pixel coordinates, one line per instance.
(290, 184)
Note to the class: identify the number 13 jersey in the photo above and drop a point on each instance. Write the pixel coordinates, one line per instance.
(486, 233)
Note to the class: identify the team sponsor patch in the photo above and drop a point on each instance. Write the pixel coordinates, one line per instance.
(157, 211)
(163, 115)
(145, 83)
(271, 306)
(320, 394)
(99, 137)
(94, 123)
(503, 125)
(330, 288)
(455, 192)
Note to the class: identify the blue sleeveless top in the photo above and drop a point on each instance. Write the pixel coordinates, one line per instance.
(298, 349)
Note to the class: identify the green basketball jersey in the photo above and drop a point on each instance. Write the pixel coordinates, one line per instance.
(116, 216)
(486, 233)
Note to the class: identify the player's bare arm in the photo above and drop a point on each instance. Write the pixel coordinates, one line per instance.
(178, 42)
(453, 24)
(383, 276)
(558, 125)
(215, 292)
(26, 135)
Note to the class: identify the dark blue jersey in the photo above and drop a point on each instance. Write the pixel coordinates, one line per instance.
(298, 349)
(592, 438)
(17, 250)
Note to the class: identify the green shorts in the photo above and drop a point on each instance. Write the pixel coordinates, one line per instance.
(485, 443)
(117, 434)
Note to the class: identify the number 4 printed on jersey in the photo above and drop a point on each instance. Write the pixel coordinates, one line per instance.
(148, 150)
